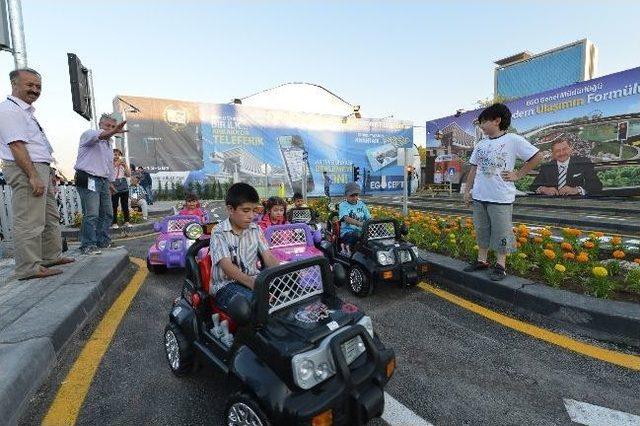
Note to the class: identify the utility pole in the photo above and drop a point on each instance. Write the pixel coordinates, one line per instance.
(18, 44)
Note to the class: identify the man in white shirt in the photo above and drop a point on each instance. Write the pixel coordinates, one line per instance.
(27, 155)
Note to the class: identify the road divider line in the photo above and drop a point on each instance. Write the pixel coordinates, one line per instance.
(618, 358)
(74, 388)
(396, 414)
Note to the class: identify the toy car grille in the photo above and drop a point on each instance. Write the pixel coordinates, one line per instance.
(285, 290)
(177, 225)
(288, 237)
(301, 216)
(405, 256)
(378, 231)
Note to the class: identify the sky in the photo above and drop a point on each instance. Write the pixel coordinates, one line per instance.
(415, 60)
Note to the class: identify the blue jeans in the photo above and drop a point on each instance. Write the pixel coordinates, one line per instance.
(97, 214)
(226, 293)
(350, 237)
(149, 193)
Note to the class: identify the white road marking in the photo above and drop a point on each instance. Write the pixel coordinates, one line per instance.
(622, 219)
(592, 415)
(395, 413)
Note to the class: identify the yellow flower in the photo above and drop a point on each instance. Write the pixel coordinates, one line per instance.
(600, 271)
(549, 254)
(522, 255)
(545, 232)
(561, 268)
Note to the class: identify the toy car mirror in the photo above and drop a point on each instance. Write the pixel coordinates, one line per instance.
(403, 229)
(157, 226)
(339, 275)
(193, 231)
(317, 236)
(239, 309)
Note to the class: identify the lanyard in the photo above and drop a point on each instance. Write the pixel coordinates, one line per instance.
(37, 124)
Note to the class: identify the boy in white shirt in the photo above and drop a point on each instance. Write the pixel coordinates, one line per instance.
(490, 184)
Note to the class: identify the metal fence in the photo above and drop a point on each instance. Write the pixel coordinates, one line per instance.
(68, 206)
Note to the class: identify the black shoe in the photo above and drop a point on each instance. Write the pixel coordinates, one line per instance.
(498, 273)
(476, 266)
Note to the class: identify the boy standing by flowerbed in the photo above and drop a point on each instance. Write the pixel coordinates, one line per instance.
(490, 184)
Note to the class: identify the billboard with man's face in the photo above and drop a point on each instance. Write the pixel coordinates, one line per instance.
(589, 134)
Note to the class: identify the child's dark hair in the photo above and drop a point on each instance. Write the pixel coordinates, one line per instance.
(498, 110)
(240, 193)
(191, 197)
(297, 196)
(274, 201)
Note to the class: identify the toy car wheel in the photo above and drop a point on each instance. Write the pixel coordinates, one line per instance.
(156, 269)
(243, 410)
(178, 350)
(359, 282)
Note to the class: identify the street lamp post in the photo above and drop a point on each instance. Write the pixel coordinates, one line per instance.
(18, 45)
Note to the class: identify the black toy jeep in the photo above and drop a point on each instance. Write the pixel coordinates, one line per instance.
(295, 355)
(381, 255)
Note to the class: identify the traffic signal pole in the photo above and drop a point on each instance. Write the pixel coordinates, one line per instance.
(18, 45)
(92, 94)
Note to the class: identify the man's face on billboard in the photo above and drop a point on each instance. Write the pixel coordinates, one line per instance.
(561, 151)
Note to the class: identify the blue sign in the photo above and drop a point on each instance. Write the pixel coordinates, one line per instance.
(452, 171)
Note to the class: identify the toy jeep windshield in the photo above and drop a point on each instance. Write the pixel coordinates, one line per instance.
(381, 255)
(296, 355)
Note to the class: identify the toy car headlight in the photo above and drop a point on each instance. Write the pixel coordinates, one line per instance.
(385, 257)
(305, 369)
(366, 322)
(193, 231)
(416, 252)
(176, 245)
(162, 244)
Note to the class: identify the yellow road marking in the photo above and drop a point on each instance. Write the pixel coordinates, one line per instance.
(66, 406)
(613, 357)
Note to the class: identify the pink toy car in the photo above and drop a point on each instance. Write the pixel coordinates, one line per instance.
(293, 241)
(171, 245)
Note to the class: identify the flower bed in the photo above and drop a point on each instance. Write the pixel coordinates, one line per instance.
(591, 263)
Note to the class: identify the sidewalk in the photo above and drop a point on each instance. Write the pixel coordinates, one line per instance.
(38, 317)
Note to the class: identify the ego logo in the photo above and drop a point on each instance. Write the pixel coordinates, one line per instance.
(176, 117)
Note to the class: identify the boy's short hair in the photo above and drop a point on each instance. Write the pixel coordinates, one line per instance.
(297, 196)
(497, 110)
(191, 197)
(240, 193)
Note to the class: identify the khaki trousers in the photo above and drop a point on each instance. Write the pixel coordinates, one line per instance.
(36, 220)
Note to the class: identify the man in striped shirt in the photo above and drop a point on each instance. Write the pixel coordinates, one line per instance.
(235, 245)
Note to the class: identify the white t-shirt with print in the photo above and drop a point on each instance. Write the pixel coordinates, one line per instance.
(493, 156)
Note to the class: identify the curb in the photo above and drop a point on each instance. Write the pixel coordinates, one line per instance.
(603, 320)
(30, 346)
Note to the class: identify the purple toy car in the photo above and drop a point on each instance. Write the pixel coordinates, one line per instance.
(293, 241)
(171, 245)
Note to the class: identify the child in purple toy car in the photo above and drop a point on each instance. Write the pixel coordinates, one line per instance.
(275, 210)
(192, 206)
(235, 245)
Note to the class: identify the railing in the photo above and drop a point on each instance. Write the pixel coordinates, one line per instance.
(68, 206)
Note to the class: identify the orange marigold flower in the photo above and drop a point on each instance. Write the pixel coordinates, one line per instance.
(566, 246)
(549, 254)
(599, 234)
(550, 246)
(518, 245)
(569, 255)
(616, 240)
(589, 244)
(537, 240)
(583, 257)
(522, 240)
(618, 254)
(637, 260)
(546, 232)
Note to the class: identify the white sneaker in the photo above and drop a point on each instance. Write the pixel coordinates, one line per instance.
(115, 226)
(127, 224)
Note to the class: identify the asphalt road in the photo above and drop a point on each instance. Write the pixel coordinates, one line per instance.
(454, 367)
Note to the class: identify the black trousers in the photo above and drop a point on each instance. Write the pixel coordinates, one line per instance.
(124, 202)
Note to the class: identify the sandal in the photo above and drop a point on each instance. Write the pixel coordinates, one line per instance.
(44, 273)
(58, 261)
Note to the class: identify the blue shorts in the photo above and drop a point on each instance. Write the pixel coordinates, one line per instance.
(226, 293)
(350, 237)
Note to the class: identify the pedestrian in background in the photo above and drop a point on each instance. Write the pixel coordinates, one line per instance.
(27, 157)
(94, 167)
(120, 188)
(147, 183)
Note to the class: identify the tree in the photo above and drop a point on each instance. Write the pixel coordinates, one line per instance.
(493, 100)
(198, 189)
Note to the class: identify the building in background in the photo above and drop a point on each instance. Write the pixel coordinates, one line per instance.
(524, 73)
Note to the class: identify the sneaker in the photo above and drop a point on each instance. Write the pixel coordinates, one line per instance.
(107, 245)
(127, 224)
(115, 226)
(477, 266)
(90, 250)
(498, 273)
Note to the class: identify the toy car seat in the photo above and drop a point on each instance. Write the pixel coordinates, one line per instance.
(205, 265)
